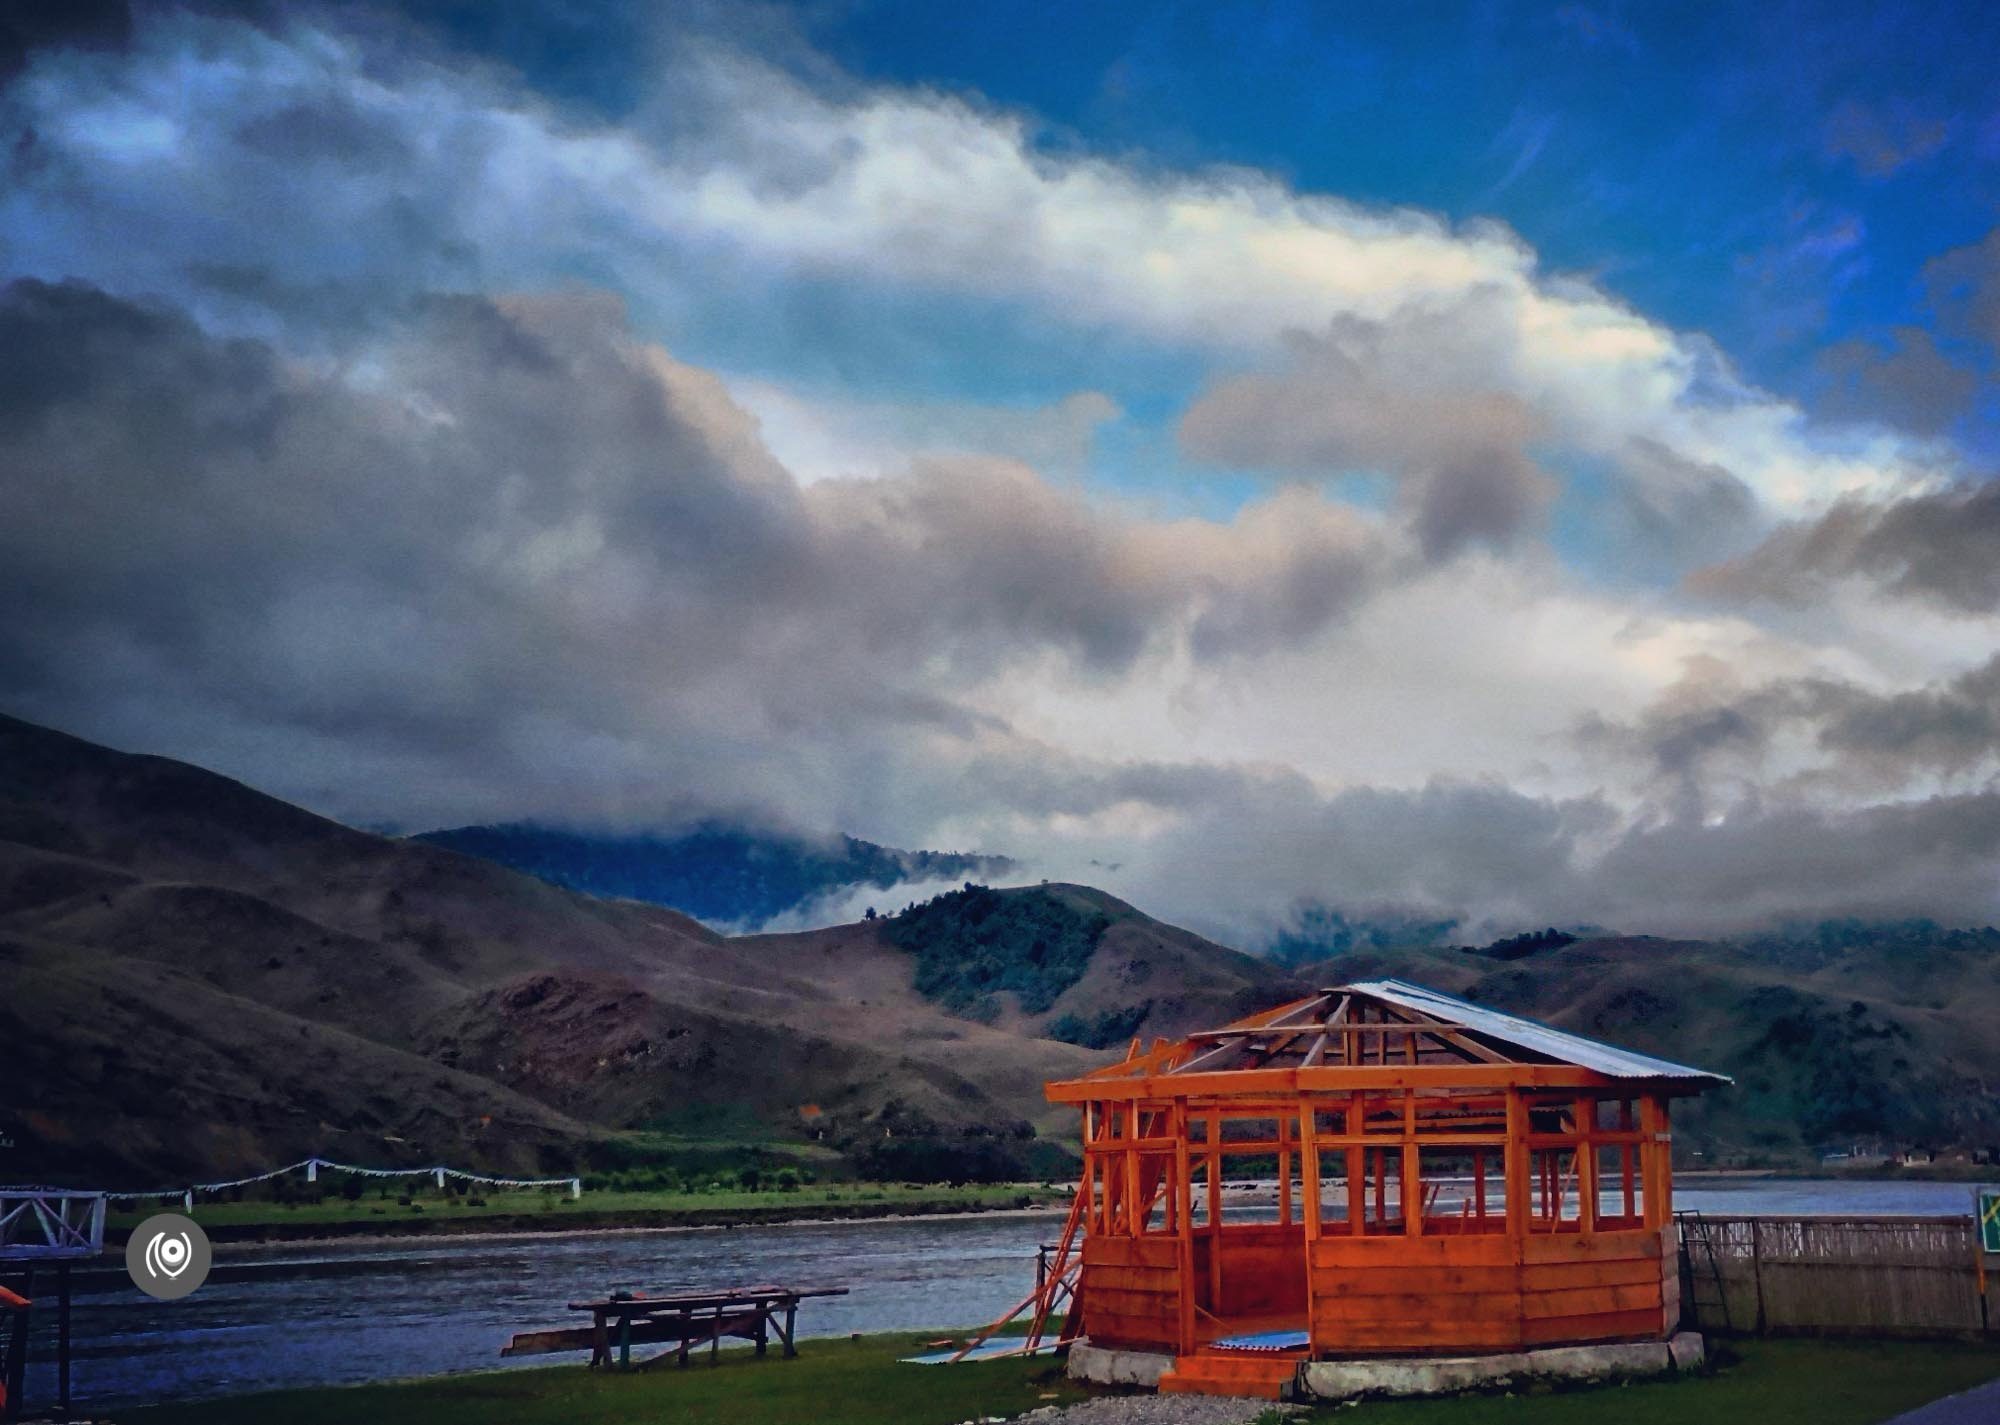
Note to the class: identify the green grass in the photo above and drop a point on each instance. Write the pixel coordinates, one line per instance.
(1773, 1382)
(842, 1381)
(838, 1382)
(558, 1209)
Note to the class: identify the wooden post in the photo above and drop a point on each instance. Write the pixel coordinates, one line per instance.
(1757, 1269)
(1514, 1164)
(1089, 1185)
(1284, 1173)
(1215, 1210)
(1184, 1220)
(1413, 1190)
(1666, 1161)
(1586, 1165)
(1309, 1168)
(1653, 1161)
(1479, 1183)
(1979, 1266)
(1626, 1165)
(1135, 1210)
(1411, 1177)
(1357, 1167)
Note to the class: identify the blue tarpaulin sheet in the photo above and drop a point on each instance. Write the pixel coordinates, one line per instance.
(1264, 1341)
(994, 1346)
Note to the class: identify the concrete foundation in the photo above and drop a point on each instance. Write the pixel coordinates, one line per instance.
(1388, 1376)
(1448, 1375)
(1101, 1365)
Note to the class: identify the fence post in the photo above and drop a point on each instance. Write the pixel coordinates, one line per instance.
(1757, 1268)
(1979, 1274)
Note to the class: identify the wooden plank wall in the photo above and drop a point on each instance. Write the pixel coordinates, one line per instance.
(1886, 1276)
(1263, 1270)
(1486, 1292)
(1131, 1291)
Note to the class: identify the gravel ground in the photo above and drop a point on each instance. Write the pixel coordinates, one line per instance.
(1152, 1409)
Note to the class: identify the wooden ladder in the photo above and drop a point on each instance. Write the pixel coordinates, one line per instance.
(1698, 1251)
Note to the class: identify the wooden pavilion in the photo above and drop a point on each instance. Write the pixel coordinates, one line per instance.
(1448, 1179)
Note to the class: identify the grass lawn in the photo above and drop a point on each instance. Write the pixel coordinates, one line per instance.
(555, 1210)
(836, 1382)
(830, 1383)
(1768, 1382)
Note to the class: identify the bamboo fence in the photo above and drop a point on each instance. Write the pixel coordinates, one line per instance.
(1866, 1276)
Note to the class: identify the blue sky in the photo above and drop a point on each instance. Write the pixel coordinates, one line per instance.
(1520, 464)
(1774, 175)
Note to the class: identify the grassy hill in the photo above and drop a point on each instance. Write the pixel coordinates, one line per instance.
(1889, 1036)
(202, 979)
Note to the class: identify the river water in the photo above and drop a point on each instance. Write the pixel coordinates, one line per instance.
(334, 1313)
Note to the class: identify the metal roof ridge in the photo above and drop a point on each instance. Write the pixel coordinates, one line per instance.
(1494, 1018)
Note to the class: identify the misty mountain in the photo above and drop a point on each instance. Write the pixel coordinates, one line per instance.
(197, 979)
(716, 871)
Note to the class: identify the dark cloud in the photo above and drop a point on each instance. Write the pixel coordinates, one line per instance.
(1710, 744)
(516, 525)
(1497, 860)
(1459, 456)
(1964, 287)
(1940, 548)
(1950, 727)
(1765, 864)
(28, 25)
(1664, 509)
(1902, 378)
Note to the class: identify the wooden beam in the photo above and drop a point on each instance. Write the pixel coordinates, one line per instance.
(1283, 1083)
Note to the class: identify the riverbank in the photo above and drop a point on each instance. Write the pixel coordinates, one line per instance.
(517, 1214)
(862, 1382)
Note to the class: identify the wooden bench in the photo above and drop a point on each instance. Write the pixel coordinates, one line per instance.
(684, 1320)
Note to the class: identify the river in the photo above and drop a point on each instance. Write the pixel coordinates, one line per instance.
(342, 1312)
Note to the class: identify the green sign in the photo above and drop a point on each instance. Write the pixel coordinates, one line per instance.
(1989, 1219)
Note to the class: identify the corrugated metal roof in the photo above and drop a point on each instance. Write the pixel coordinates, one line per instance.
(1527, 1034)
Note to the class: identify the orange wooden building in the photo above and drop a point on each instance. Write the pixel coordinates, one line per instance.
(1448, 1179)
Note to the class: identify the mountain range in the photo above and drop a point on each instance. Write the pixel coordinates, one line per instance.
(198, 979)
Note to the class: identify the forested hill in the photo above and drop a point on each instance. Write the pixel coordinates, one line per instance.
(720, 873)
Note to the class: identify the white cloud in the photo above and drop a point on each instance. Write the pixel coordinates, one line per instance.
(487, 555)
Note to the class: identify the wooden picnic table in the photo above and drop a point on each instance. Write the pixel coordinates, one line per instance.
(684, 1319)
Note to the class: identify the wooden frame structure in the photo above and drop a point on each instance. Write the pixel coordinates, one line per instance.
(1447, 1179)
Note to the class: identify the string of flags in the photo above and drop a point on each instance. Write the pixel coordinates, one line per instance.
(312, 1166)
